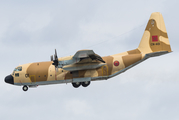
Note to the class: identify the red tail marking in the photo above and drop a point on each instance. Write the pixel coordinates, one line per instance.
(155, 38)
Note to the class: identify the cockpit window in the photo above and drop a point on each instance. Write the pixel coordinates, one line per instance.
(18, 69)
(16, 74)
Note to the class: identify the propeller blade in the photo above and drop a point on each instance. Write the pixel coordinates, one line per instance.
(51, 57)
(56, 58)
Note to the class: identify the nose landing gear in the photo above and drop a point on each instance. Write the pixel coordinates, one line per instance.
(25, 88)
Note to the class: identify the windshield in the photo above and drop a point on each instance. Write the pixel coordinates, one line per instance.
(18, 69)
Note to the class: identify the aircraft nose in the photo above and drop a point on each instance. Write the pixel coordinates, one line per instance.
(9, 79)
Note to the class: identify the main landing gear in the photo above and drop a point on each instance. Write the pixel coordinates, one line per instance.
(25, 88)
(84, 84)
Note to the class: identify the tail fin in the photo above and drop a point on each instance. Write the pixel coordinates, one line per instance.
(155, 38)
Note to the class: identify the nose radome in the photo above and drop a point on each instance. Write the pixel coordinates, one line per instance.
(9, 79)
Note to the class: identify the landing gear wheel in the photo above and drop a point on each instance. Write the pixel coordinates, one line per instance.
(25, 88)
(76, 85)
(85, 84)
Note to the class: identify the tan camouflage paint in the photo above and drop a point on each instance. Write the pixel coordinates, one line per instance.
(38, 71)
(155, 27)
(46, 70)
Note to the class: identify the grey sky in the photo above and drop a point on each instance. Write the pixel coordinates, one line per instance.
(31, 30)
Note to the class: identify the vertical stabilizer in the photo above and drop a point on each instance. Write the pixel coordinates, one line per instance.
(155, 38)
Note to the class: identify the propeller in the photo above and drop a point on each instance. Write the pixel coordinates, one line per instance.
(51, 57)
(55, 60)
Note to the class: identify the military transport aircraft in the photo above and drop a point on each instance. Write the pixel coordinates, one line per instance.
(86, 66)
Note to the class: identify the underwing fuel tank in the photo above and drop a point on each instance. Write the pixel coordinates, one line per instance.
(85, 66)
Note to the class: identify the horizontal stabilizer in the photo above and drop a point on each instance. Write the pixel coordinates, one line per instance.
(154, 54)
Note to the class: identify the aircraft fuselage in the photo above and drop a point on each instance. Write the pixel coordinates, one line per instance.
(86, 66)
(41, 73)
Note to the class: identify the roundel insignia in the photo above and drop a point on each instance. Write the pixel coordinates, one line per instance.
(116, 63)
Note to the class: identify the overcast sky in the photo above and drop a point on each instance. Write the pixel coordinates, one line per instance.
(30, 30)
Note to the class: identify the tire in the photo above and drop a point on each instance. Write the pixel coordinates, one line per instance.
(25, 88)
(85, 84)
(76, 85)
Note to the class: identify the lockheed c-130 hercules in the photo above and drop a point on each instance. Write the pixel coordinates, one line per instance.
(86, 66)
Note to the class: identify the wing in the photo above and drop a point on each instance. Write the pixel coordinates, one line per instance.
(87, 55)
(82, 60)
